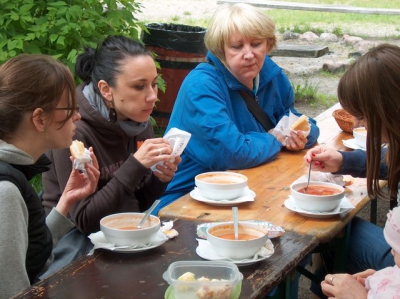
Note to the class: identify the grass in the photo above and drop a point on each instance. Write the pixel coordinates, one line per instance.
(309, 94)
(317, 22)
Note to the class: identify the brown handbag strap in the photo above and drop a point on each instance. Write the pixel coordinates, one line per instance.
(256, 110)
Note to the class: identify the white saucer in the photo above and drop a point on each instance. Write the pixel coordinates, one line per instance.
(351, 143)
(205, 251)
(344, 207)
(99, 241)
(248, 195)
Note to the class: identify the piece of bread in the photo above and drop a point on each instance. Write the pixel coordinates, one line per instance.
(77, 149)
(301, 124)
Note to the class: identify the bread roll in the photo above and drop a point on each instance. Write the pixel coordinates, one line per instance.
(301, 124)
(77, 149)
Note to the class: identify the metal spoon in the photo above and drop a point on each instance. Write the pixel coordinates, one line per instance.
(148, 212)
(235, 222)
(308, 179)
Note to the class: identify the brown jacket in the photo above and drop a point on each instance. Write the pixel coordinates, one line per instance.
(125, 185)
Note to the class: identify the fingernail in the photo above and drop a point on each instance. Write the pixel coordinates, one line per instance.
(313, 154)
(308, 161)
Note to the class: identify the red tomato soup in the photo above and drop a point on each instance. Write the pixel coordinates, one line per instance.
(319, 190)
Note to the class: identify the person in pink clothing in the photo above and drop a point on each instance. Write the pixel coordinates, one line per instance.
(385, 283)
(381, 284)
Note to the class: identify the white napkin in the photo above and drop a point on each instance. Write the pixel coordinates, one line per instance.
(79, 163)
(266, 251)
(283, 126)
(178, 140)
(99, 241)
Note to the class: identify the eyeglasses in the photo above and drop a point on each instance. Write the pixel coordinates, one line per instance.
(75, 109)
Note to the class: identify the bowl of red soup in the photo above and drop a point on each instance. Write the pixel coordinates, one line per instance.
(221, 185)
(121, 229)
(318, 197)
(251, 238)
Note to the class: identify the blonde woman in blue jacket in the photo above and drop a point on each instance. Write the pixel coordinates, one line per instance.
(225, 134)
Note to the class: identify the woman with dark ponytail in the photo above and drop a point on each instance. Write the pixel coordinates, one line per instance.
(116, 98)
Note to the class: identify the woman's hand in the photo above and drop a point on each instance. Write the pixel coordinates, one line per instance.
(343, 286)
(79, 186)
(296, 141)
(167, 171)
(324, 159)
(362, 276)
(152, 151)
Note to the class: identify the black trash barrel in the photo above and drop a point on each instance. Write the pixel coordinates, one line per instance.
(179, 49)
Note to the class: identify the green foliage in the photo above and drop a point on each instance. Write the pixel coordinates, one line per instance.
(306, 92)
(36, 182)
(338, 31)
(176, 18)
(62, 28)
(309, 94)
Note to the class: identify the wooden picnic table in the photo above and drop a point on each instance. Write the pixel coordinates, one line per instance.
(271, 182)
(108, 274)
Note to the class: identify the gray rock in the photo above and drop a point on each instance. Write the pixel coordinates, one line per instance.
(328, 37)
(287, 35)
(309, 36)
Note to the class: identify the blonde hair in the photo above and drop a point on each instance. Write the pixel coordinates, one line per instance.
(248, 20)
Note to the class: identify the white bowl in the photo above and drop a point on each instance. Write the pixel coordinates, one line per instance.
(317, 203)
(121, 229)
(360, 135)
(221, 185)
(236, 249)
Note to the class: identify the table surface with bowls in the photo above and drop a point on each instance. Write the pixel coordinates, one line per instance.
(110, 274)
(270, 183)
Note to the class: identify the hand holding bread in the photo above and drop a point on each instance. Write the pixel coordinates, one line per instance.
(301, 124)
(80, 154)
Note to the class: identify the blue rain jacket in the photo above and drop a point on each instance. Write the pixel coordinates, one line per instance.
(225, 134)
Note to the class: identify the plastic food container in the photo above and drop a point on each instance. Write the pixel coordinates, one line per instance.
(203, 279)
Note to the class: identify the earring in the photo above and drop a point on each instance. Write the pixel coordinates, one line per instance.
(112, 115)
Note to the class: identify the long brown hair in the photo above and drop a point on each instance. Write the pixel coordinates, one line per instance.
(370, 89)
(28, 82)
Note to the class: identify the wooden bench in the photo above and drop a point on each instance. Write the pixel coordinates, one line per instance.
(315, 7)
(305, 51)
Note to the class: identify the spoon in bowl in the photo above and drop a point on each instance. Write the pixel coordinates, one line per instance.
(308, 179)
(235, 222)
(148, 212)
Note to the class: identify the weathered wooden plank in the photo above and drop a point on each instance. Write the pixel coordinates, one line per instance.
(291, 50)
(315, 7)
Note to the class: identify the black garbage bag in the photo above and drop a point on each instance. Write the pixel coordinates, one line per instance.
(176, 37)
